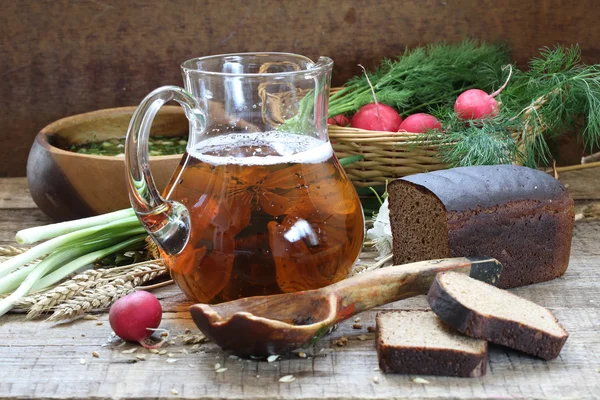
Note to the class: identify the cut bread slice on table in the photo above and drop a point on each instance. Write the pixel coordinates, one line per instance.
(485, 312)
(418, 342)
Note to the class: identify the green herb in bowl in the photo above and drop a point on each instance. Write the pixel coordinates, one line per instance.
(158, 146)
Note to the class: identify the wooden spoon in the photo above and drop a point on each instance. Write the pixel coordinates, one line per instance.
(267, 325)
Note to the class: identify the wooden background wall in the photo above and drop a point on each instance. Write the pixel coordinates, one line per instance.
(63, 57)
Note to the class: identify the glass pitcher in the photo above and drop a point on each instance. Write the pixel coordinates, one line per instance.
(259, 204)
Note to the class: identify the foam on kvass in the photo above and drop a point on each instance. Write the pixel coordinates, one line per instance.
(268, 148)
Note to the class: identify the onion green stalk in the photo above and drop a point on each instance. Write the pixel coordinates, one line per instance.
(32, 235)
(40, 269)
(76, 257)
(69, 247)
(77, 264)
(47, 247)
(107, 246)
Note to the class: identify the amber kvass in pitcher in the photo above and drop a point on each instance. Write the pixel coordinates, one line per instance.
(259, 203)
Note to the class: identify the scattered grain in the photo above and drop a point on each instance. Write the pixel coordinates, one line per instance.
(376, 369)
(141, 357)
(171, 355)
(162, 352)
(420, 380)
(371, 329)
(220, 370)
(171, 360)
(357, 326)
(164, 334)
(357, 319)
(362, 337)
(129, 351)
(184, 351)
(195, 348)
(376, 379)
(341, 342)
(99, 323)
(301, 354)
(89, 317)
(287, 379)
(174, 392)
(272, 358)
(82, 361)
(194, 339)
(153, 351)
(95, 354)
(217, 366)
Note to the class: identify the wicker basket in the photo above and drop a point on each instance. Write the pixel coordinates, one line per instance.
(386, 155)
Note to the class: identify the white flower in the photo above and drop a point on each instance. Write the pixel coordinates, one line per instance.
(381, 232)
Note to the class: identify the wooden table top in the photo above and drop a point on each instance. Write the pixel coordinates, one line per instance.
(42, 360)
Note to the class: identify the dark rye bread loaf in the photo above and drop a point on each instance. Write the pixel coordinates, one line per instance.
(483, 311)
(522, 217)
(418, 342)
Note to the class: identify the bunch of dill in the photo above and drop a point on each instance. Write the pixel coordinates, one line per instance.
(556, 94)
(425, 77)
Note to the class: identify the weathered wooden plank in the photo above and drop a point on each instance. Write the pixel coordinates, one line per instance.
(13, 220)
(14, 194)
(40, 360)
(98, 57)
(54, 370)
(582, 184)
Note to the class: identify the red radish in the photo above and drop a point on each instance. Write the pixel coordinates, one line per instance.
(477, 104)
(376, 117)
(135, 316)
(339, 120)
(420, 123)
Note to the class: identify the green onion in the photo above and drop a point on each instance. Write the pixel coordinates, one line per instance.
(39, 270)
(77, 264)
(107, 245)
(32, 235)
(47, 247)
(69, 247)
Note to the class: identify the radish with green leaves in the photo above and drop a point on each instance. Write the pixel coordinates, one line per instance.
(376, 117)
(477, 104)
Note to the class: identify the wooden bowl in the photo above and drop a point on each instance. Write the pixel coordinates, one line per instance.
(67, 185)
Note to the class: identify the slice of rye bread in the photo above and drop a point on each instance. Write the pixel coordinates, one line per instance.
(483, 311)
(418, 342)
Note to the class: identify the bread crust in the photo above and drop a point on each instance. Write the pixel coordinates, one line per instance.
(522, 217)
(497, 330)
(489, 186)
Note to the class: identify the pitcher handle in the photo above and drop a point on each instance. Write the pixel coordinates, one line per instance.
(166, 221)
